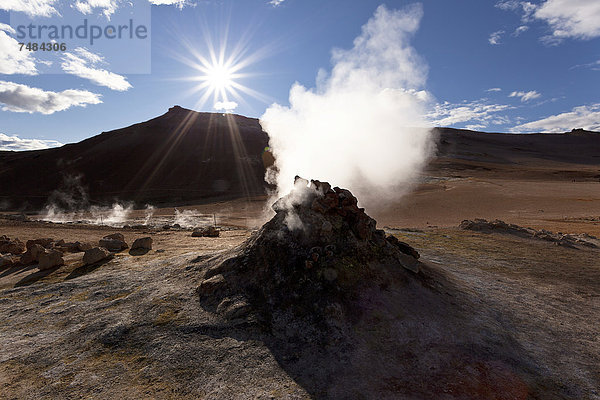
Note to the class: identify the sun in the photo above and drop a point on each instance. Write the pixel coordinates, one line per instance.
(219, 77)
(220, 73)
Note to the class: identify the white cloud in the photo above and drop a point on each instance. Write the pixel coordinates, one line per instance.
(494, 89)
(276, 3)
(578, 19)
(7, 28)
(15, 143)
(83, 63)
(571, 18)
(519, 30)
(586, 117)
(22, 98)
(594, 66)
(525, 7)
(478, 113)
(35, 8)
(12, 60)
(226, 106)
(178, 3)
(525, 96)
(106, 7)
(495, 37)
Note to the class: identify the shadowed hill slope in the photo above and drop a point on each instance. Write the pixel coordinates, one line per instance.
(182, 155)
(185, 156)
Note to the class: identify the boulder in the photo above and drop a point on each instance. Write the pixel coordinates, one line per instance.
(84, 246)
(144, 243)
(49, 259)
(7, 261)
(212, 286)
(32, 254)
(14, 246)
(44, 242)
(209, 231)
(95, 255)
(114, 242)
(67, 247)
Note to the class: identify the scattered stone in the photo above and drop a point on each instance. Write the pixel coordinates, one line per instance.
(8, 260)
(114, 242)
(49, 259)
(142, 243)
(32, 254)
(209, 231)
(81, 247)
(235, 308)
(95, 255)
(212, 285)
(14, 246)
(44, 242)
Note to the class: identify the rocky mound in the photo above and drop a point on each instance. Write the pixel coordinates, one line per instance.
(559, 238)
(307, 264)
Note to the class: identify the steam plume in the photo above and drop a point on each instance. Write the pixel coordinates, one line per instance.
(362, 126)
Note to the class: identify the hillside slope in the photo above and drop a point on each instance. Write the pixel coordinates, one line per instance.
(182, 155)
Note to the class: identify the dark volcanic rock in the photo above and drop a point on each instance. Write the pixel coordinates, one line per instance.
(14, 246)
(114, 242)
(95, 255)
(209, 231)
(144, 243)
(307, 263)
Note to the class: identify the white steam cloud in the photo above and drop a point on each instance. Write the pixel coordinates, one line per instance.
(362, 127)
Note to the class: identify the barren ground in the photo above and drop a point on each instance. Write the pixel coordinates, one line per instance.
(133, 327)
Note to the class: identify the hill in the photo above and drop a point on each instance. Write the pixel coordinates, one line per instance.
(180, 156)
(185, 157)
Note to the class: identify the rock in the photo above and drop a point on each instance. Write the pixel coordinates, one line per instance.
(49, 259)
(233, 308)
(8, 260)
(142, 243)
(403, 247)
(209, 231)
(330, 274)
(14, 246)
(44, 242)
(95, 255)
(212, 286)
(319, 249)
(114, 242)
(84, 246)
(68, 247)
(115, 236)
(32, 254)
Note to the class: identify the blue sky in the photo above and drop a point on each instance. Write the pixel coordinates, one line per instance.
(496, 66)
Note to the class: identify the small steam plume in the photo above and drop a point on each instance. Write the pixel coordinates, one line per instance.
(192, 219)
(149, 213)
(362, 127)
(71, 203)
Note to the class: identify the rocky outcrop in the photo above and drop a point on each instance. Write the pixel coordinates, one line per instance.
(559, 239)
(208, 231)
